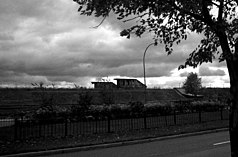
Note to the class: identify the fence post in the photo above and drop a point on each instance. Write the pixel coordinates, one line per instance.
(131, 120)
(66, 127)
(200, 116)
(166, 121)
(221, 113)
(145, 124)
(15, 128)
(175, 118)
(108, 124)
(96, 121)
(39, 123)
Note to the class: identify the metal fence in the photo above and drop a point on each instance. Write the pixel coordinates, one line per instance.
(19, 129)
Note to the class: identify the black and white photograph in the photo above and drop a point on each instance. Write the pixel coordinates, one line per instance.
(119, 78)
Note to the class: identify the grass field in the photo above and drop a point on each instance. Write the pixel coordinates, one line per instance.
(16, 100)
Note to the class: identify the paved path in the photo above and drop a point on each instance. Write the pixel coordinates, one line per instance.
(206, 145)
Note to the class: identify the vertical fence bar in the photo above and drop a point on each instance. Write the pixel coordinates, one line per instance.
(166, 121)
(66, 127)
(145, 124)
(175, 118)
(39, 129)
(96, 125)
(221, 113)
(108, 124)
(43, 124)
(15, 129)
(51, 129)
(80, 127)
(131, 120)
(200, 116)
(19, 125)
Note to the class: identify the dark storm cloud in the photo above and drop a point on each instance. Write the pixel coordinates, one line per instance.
(49, 41)
(206, 71)
(4, 36)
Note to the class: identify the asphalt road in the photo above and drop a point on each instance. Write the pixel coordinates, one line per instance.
(206, 145)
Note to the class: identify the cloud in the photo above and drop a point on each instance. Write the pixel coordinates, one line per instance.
(184, 74)
(206, 71)
(49, 41)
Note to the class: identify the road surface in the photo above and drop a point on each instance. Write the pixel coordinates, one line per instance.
(206, 145)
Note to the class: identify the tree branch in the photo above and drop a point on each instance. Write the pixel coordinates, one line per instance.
(206, 14)
(196, 16)
(236, 48)
(215, 4)
(140, 16)
(100, 23)
(104, 17)
(220, 11)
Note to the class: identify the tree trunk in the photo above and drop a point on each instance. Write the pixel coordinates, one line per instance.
(232, 66)
(233, 123)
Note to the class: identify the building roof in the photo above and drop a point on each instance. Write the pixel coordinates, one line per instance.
(103, 82)
(125, 79)
(187, 95)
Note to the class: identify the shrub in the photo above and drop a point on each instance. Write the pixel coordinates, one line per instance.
(50, 113)
(114, 111)
(158, 109)
(184, 107)
(207, 106)
(119, 111)
(99, 111)
(81, 110)
(136, 108)
(84, 100)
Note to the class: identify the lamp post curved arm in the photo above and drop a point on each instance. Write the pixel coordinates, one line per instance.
(144, 62)
(144, 67)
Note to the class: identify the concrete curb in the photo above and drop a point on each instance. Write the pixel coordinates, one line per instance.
(116, 144)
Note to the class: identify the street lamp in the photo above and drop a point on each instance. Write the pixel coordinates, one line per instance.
(144, 66)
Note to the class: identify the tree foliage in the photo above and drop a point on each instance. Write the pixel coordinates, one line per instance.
(192, 84)
(172, 20)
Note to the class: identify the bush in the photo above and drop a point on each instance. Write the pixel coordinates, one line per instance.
(158, 109)
(114, 111)
(81, 110)
(207, 106)
(136, 108)
(184, 107)
(119, 111)
(99, 111)
(49, 114)
(84, 100)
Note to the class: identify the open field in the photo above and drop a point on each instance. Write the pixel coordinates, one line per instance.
(16, 100)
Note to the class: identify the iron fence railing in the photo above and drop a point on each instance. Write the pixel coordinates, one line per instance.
(19, 129)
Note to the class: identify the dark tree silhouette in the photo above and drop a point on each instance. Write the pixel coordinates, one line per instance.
(171, 20)
(192, 84)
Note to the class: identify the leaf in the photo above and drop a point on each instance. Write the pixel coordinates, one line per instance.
(124, 33)
(80, 8)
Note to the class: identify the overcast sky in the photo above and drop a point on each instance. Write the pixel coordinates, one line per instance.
(48, 41)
